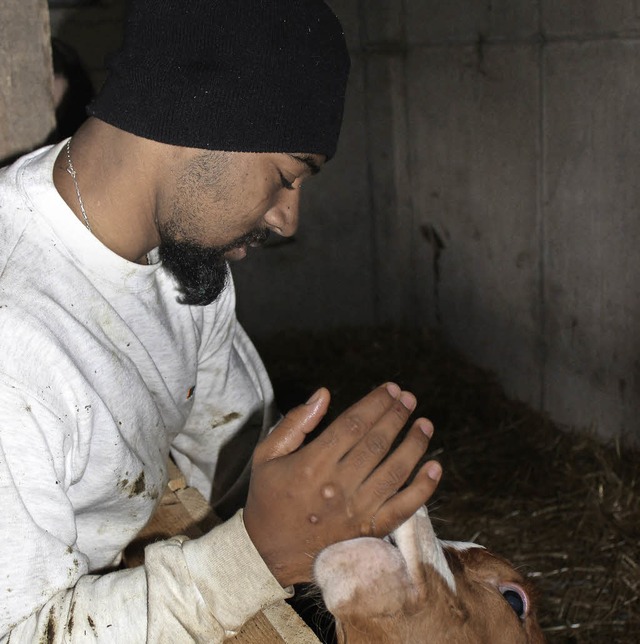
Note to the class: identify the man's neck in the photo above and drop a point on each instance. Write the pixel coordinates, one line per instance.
(115, 176)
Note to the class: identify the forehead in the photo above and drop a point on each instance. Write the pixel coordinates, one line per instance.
(484, 565)
(307, 162)
(313, 162)
(205, 164)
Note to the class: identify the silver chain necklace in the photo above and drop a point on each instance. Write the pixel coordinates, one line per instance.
(71, 170)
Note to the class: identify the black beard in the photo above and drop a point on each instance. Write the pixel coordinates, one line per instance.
(201, 272)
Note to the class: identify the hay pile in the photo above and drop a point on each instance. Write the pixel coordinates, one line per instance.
(563, 508)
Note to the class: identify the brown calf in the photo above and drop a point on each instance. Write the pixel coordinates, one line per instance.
(417, 589)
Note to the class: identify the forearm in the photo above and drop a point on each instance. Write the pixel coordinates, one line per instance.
(201, 591)
(230, 574)
(155, 603)
(110, 608)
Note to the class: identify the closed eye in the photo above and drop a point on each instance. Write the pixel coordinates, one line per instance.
(285, 182)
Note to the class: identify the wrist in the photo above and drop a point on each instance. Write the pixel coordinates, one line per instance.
(275, 555)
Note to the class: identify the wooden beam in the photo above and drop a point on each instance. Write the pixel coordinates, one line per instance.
(26, 76)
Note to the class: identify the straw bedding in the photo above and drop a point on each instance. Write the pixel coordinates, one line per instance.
(561, 506)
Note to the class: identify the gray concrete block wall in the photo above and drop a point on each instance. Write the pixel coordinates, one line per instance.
(585, 19)
(451, 21)
(474, 137)
(592, 233)
(382, 40)
(525, 145)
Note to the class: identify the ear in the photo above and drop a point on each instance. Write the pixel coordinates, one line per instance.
(366, 577)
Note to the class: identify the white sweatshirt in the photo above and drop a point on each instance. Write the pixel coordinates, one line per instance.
(102, 374)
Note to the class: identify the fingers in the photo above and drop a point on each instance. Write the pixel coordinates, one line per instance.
(389, 477)
(356, 422)
(405, 503)
(374, 445)
(290, 432)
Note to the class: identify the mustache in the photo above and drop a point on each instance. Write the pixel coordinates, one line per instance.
(256, 237)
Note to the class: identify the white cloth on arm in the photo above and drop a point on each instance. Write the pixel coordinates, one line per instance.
(102, 374)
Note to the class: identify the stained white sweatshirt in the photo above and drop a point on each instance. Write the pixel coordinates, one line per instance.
(102, 374)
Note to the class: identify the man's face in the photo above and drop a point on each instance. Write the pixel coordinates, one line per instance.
(220, 204)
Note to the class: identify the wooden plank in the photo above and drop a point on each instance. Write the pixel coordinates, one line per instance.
(26, 76)
(259, 630)
(289, 624)
(176, 478)
(197, 508)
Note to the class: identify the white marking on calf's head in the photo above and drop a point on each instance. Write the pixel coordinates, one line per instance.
(460, 546)
(419, 545)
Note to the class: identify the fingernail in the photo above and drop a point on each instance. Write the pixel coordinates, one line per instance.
(314, 398)
(426, 427)
(393, 389)
(434, 471)
(408, 400)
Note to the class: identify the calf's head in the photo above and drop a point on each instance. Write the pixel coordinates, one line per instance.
(416, 589)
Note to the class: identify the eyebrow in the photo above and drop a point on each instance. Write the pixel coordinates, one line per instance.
(308, 160)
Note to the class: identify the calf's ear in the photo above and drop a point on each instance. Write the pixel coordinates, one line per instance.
(363, 577)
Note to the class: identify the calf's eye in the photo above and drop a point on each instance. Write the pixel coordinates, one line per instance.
(517, 599)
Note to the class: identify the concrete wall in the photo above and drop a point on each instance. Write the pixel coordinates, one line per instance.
(524, 121)
(485, 184)
(499, 143)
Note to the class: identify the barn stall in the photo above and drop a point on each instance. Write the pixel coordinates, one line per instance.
(561, 505)
(476, 239)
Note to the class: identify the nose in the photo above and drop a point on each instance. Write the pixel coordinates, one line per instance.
(282, 217)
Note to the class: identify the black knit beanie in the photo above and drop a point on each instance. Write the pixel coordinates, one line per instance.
(233, 75)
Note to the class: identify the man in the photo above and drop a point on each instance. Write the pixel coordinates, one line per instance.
(120, 346)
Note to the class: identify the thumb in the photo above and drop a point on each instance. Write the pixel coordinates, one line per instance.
(290, 432)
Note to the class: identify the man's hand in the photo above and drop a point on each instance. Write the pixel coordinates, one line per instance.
(341, 485)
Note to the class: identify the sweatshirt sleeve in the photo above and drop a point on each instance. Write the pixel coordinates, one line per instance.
(187, 591)
(184, 593)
